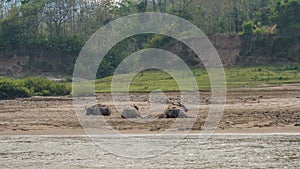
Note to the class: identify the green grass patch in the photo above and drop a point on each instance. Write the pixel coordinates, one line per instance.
(261, 75)
(236, 77)
(33, 86)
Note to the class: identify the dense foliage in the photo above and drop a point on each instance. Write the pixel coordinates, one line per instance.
(11, 90)
(57, 29)
(274, 33)
(34, 86)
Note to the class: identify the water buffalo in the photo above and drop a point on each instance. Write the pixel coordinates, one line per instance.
(98, 110)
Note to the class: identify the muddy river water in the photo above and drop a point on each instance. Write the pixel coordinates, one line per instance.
(218, 151)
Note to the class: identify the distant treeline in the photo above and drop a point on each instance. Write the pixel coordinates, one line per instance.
(59, 28)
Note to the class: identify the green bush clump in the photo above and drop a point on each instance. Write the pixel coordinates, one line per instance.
(12, 90)
(33, 86)
(44, 87)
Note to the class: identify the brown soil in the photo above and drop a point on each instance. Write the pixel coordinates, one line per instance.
(227, 46)
(13, 66)
(266, 110)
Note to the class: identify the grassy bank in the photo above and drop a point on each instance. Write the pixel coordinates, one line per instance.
(236, 77)
(155, 80)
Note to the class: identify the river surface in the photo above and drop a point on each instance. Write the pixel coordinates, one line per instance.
(218, 151)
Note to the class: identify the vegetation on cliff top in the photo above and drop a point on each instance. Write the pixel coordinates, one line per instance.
(57, 29)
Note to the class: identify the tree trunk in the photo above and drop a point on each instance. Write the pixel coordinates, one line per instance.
(154, 5)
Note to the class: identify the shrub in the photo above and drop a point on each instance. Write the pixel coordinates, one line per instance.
(34, 86)
(11, 90)
(43, 87)
(248, 27)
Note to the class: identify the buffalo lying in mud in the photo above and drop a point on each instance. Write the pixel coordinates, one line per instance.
(98, 110)
(174, 110)
(130, 113)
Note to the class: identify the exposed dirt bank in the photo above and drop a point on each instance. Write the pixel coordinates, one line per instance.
(228, 47)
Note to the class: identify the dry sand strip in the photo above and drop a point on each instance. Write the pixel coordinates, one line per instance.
(261, 110)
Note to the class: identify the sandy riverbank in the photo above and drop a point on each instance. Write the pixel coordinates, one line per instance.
(256, 110)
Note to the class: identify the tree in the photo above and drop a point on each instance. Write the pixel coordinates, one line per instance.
(31, 12)
(11, 31)
(288, 18)
(57, 14)
(142, 6)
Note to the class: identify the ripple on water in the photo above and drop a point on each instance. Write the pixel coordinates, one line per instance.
(220, 151)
